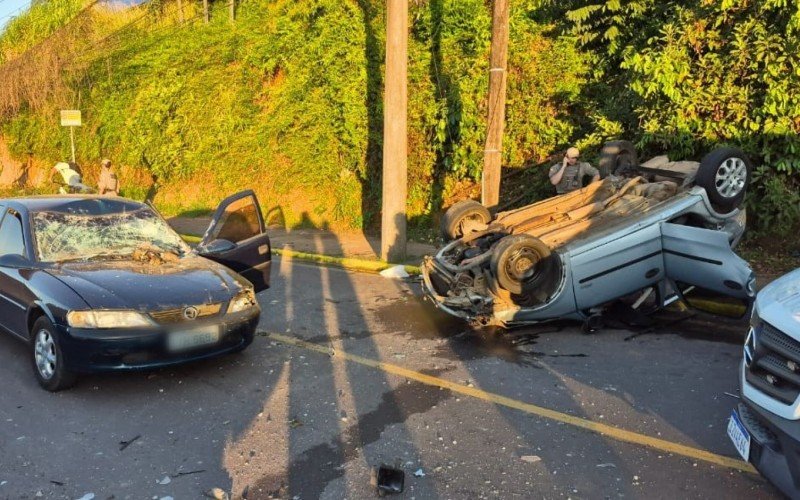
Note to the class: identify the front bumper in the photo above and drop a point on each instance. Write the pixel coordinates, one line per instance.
(88, 351)
(436, 284)
(774, 446)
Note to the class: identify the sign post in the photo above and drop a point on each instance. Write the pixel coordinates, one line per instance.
(71, 118)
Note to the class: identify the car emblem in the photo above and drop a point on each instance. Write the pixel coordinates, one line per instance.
(190, 313)
(750, 347)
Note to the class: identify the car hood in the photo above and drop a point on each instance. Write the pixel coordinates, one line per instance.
(779, 304)
(137, 285)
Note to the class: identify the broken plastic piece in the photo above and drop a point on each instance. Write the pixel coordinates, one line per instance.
(389, 480)
(398, 272)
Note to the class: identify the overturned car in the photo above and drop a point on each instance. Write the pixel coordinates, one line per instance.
(660, 227)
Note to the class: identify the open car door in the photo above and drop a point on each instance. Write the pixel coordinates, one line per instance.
(237, 239)
(704, 258)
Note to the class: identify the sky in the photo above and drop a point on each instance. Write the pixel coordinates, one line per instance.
(11, 8)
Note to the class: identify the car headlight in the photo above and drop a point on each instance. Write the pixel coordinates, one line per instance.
(242, 301)
(107, 319)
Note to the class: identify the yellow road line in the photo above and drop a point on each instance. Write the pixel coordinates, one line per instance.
(603, 429)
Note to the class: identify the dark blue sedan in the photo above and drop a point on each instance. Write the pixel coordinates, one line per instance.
(100, 283)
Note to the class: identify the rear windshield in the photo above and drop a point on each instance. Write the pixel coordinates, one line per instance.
(84, 231)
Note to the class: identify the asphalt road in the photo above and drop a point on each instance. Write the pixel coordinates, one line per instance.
(290, 422)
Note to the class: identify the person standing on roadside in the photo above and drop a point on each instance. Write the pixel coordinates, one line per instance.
(568, 175)
(108, 184)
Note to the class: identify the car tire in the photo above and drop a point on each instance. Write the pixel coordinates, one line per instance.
(725, 174)
(524, 265)
(617, 156)
(459, 213)
(47, 357)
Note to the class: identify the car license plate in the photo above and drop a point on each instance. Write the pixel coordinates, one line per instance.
(739, 435)
(188, 339)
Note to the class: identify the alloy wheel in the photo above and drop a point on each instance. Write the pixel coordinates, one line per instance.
(45, 354)
(731, 177)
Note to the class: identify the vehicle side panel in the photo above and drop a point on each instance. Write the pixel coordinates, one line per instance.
(617, 268)
(703, 257)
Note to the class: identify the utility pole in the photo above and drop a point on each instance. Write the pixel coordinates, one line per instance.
(205, 10)
(395, 134)
(493, 152)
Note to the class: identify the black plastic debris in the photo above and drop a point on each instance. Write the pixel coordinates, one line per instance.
(388, 480)
(125, 444)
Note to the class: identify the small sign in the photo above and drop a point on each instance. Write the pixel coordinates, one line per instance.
(70, 117)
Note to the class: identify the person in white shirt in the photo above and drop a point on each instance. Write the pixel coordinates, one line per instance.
(71, 178)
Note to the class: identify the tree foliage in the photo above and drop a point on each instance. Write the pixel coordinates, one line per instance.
(289, 97)
(707, 73)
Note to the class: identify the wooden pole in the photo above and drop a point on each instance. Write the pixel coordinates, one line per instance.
(395, 145)
(180, 11)
(493, 152)
(205, 10)
(232, 8)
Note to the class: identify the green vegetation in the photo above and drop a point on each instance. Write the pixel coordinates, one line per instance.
(288, 99)
(699, 74)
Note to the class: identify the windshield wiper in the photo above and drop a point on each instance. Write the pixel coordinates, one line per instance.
(96, 256)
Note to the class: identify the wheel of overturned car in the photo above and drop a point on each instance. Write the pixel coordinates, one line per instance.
(617, 157)
(462, 218)
(48, 358)
(725, 174)
(524, 265)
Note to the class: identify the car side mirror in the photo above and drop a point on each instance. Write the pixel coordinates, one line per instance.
(217, 246)
(15, 261)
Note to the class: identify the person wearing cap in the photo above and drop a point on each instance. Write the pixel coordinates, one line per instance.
(568, 175)
(108, 184)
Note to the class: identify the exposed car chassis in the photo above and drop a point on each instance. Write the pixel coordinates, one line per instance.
(653, 227)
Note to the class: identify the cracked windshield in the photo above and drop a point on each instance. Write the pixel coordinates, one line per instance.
(65, 236)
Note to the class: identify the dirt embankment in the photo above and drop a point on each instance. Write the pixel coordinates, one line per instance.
(20, 172)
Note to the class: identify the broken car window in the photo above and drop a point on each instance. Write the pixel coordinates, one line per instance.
(64, 236)
(240, 221)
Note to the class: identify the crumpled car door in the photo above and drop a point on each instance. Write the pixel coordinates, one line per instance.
(704, 258)
(237, 238)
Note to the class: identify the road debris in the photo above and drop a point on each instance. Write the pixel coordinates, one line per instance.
(731, 395)
(387, 479)
(125, 444)
(88, 496)
(187, 473)
(217, 494)
(603, 466)
(395, 272)
(531, 459)
(57, 483)
(165, 480)
(419, 473)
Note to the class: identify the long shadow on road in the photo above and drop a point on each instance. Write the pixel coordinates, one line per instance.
(345, 419)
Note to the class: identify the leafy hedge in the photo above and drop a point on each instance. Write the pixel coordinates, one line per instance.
(703, 74)
(288, 99)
